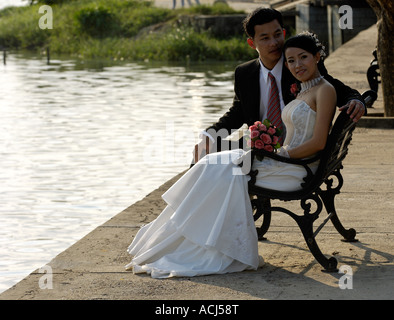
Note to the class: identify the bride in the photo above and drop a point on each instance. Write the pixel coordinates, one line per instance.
(207, 226)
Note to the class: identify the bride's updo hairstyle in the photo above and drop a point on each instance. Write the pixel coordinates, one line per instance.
(309, 42)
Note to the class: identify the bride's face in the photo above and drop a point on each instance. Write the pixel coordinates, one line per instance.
(302, 64)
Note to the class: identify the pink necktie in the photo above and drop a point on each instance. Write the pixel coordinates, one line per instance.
(273, 111)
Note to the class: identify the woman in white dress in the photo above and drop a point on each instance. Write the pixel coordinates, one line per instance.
(207, 226)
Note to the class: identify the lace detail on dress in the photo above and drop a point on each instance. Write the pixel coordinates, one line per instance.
(299, 119)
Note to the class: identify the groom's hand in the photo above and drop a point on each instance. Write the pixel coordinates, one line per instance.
(201, 149)
(355, 109)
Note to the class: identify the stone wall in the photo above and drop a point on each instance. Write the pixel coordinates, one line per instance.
(221, 25)
(324, 21)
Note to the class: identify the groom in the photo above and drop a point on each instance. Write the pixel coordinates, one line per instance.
(266, 35)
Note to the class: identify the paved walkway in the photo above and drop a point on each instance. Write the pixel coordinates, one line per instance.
(93, 268)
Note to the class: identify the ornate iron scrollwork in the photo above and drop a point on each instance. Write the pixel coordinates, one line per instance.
(307, 205)
(329, 181)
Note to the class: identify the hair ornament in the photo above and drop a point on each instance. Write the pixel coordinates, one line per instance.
(319, 45)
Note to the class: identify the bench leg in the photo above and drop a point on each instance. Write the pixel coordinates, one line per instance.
(263, 208)
(328, 197)
(306, 225)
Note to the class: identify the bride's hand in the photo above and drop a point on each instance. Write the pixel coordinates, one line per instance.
(283, 152)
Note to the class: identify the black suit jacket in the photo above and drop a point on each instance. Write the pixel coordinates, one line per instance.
(246, 102)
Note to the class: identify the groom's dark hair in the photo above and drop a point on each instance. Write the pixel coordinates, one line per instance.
(260, 16)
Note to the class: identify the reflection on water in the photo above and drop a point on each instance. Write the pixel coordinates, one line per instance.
(82, 141)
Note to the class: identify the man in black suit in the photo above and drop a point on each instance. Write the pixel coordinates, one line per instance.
(266, 35)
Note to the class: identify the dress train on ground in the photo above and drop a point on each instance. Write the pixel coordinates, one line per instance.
(206, 228)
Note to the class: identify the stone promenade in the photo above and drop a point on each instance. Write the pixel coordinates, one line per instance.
(93, 268)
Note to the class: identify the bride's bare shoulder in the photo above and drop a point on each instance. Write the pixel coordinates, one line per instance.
(326, 90)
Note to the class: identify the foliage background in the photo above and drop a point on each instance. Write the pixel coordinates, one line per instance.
(119, 29)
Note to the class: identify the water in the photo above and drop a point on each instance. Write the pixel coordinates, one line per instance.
(81, 141)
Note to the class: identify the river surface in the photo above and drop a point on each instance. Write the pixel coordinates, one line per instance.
(82, 140)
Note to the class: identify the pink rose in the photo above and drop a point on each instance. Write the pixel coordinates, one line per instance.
(253, 128)
(254, 134)
(275, 140)
(257, 123)
(269, 148)
(259, 144)
(266, 138)
(262, 127)
(271, 131)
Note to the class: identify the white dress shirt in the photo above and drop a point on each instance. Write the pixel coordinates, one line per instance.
(265, 86)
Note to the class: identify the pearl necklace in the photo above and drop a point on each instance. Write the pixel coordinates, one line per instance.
(307, 85)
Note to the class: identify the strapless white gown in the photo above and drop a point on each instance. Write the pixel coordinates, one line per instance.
(207, 226)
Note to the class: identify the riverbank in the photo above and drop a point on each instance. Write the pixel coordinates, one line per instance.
(130, 30)
(93, 268)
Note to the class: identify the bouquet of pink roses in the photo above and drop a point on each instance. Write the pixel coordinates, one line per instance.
(264, 136)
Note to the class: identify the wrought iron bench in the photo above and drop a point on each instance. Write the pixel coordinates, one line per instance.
(318, 188)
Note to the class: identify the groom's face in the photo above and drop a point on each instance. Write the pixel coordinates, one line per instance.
(268, 41)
